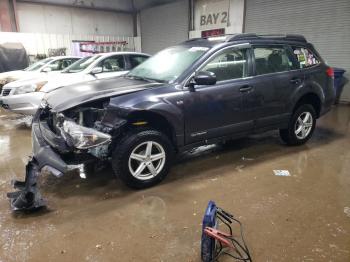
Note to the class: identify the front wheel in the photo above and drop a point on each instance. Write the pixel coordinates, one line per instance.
(142, 158)
(301, 126)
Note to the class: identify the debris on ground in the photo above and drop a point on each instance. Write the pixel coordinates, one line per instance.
(240, 168)
(98, 246)
(281, 172)
(347, 211)
(247, 158)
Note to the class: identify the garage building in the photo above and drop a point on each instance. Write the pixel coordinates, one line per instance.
(293, 201)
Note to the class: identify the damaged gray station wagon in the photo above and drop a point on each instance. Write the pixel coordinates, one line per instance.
(202, 91)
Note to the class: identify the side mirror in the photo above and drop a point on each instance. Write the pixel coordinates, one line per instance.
(96, 70)
(205, 78)
(46, 69)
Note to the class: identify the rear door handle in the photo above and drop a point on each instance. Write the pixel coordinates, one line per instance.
(245, 88)
(295, 80)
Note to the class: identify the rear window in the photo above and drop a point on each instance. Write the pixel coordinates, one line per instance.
(304, 57)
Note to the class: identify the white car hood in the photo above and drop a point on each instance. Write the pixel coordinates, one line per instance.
(14, 75)
(31, 79)
(65, 79)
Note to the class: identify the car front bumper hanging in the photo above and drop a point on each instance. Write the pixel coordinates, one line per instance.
(28, 197)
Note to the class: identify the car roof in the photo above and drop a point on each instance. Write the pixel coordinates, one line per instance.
(245, 38)
(121, 53)
(63, 57)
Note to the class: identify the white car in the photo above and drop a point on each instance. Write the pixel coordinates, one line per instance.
(51, 64)
(24, 97)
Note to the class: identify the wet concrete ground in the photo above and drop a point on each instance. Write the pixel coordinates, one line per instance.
(304, 217)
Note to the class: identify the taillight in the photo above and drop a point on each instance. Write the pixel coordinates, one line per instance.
(330, 72)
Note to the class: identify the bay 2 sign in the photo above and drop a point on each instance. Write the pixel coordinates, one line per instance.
(214, 19)
(211, 14)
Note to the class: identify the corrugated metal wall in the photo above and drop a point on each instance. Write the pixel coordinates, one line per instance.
(51, 19)
(325, 23)
(164, 25)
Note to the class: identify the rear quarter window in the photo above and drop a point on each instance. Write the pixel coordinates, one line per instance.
(271, 59)
(304, 57)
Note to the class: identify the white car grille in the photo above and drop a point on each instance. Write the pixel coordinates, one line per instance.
(6, 92)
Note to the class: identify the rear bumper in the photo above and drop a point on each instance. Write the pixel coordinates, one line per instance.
(327, 105)
(26, 104)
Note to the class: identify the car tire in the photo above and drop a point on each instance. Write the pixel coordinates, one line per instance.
(301, 126)
(142, 158)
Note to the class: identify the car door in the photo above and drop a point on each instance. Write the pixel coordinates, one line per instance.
(274, 81)
(112, 66)
(215, 110)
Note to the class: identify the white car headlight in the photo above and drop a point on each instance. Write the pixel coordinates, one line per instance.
(84, 137)
(25, 89)
(29, 88)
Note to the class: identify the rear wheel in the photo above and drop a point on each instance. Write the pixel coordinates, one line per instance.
(301, 126)
(142, 158)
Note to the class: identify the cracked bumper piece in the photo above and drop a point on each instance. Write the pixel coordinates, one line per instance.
(43, 152)
(28, 196)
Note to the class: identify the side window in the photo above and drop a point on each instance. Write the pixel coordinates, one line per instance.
(66, 62)
(230, 64)
(271, 60)
(305, 58)
(61, 64)
(56, 65)
(135, 60)
(113, 64)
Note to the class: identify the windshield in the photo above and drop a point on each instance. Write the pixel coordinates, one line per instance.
(81, 64)
(169, 64)
(38, 64)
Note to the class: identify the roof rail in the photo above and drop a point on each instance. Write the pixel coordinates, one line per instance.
(209, 37)
(249, 36)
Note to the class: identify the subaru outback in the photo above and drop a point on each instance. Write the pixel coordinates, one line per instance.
(202, 91)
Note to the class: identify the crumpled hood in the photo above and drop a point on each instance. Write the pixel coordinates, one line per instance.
(70, 96)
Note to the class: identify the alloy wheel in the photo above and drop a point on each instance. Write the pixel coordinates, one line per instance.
(147, 160)
(303, 125)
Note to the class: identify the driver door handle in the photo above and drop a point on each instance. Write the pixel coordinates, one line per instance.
(245, 88)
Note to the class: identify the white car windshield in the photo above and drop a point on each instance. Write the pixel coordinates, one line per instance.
(168, 64)
(81, 64)
(38, 65)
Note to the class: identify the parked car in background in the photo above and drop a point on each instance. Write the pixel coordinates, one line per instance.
(24, 96)
(51, 64)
